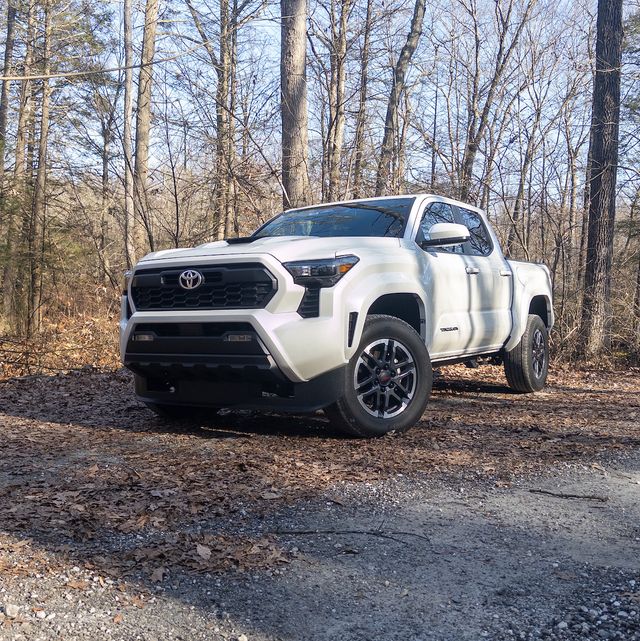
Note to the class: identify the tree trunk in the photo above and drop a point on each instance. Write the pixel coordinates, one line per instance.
(222, 121)
(14, 275)
(293, 106)
(4, 93)
(143, 118)
(129, 210)
(636, 313)
(230, 218)
(595, 328)
(103, 259)
(337, 95)
(37, 230)
(361, 118)
(9, 212)
(397, 87)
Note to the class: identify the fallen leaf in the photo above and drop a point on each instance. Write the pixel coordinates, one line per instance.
(78, 584)
(138, 601)
(158, 575)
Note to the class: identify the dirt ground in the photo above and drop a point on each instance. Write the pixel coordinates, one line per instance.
(500, 516)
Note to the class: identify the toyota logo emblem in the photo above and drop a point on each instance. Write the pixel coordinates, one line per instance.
(190, 279)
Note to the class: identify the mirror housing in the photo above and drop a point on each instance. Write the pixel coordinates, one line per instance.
(446, 234)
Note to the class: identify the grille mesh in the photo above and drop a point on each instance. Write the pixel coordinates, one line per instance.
(242, 286)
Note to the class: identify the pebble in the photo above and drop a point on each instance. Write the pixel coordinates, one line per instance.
(11, 610)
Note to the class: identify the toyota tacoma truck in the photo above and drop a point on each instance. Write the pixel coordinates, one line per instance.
(343, 307)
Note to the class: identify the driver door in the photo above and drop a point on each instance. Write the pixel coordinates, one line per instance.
(448, 330)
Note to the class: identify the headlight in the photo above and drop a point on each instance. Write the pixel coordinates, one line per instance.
(125, 282)
(320, 273)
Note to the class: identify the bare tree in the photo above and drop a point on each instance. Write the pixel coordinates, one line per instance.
(483, 96)
(596, 306)
(293, 109)
(37, 227)
(361, 116)
(129, 209)
(397, 87)
(13, 277)
(4, 92)
(143, 118)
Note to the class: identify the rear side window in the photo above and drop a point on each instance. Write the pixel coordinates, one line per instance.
(437, 213)
(479, 243)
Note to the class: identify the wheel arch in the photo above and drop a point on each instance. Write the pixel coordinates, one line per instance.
(541, 306)
(405, 306)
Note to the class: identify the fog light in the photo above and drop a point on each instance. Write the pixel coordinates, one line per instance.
(238, 338)
(143, 338)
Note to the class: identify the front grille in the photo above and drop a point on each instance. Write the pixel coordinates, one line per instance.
(310, 304)
(237, 286)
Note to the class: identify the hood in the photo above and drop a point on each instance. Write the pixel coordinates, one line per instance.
(282, 248)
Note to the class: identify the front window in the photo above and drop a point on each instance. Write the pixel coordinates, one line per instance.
(437, 212)
(377, 218)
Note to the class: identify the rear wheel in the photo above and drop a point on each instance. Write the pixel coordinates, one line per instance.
(527, 364)
(387, 383)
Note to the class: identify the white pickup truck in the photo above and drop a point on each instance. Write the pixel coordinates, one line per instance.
(343, 307)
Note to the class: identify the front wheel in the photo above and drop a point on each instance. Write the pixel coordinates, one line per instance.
(387, 383)
(527, 364)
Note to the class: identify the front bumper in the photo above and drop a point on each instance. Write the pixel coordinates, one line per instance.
(184, 385)
(208, 361)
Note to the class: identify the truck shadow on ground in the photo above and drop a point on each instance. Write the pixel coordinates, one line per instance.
(89, 477)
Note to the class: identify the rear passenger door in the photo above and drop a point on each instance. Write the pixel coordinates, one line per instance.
(489, 285)
(448, 329)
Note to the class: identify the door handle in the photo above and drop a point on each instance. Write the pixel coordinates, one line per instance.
(505, 272)
(472, 270)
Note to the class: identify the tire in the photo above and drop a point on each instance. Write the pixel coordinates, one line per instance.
(527, 364)
(379, 409)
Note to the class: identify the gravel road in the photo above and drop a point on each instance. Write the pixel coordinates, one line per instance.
(460, 553)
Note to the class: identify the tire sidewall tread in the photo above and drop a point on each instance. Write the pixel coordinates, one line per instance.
(347, 414)
(518, 363)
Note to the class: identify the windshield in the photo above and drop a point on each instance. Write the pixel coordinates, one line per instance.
(385, 217)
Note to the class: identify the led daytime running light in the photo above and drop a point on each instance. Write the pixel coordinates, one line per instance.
(320, 273)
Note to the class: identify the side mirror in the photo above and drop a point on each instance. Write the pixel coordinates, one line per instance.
(445, 235)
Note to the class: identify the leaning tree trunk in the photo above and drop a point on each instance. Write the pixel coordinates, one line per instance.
(293, 106)
(595, 334)
(397, 87)
(143, 118)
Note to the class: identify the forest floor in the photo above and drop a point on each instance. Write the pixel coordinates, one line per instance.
(500, 516)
